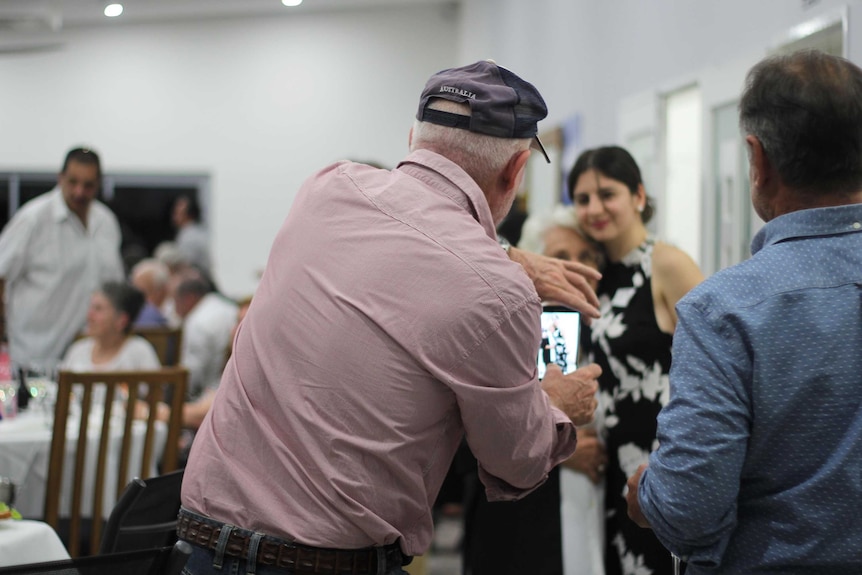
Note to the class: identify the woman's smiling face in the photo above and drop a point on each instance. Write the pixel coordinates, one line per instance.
(605, 208)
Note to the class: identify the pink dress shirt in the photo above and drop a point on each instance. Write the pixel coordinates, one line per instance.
(388, 324)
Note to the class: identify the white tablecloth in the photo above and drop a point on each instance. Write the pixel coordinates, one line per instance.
(25, 444)
(29, 542)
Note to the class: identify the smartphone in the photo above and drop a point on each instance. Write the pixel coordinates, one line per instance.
(561, 334)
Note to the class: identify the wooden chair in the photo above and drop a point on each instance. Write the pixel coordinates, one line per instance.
(125, 437)
(166, 340)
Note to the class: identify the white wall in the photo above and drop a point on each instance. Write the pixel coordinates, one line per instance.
(585, 56)
(261, 103)
(258, 103)
(611, 61)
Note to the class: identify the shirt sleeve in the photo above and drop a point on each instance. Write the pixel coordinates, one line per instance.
(77, 357)
(194, 356)
(510, 425)
(147, 358)
(13, 247)
(110, 260)
(689, 491)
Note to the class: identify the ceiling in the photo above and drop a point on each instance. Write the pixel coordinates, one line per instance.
(28, 26)
(19, 17)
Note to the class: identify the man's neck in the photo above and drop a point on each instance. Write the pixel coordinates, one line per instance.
(794, 201)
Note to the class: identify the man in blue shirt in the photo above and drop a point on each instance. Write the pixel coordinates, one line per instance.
(759, 468)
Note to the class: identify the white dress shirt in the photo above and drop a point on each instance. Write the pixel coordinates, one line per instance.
(206, 338)
(52, 264)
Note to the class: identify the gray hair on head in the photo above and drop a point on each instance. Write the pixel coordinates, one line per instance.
(481, 156)
(805, 109)
(157, 272)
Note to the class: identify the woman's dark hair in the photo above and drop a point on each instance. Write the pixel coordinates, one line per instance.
(615, 163)
(125, 298)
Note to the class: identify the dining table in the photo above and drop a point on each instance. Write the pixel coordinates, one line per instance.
(24, 541)
(25, 444)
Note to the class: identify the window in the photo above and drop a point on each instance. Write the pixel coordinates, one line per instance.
(142, 204)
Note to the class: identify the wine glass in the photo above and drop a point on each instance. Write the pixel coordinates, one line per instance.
(8, 399)
(42, 385)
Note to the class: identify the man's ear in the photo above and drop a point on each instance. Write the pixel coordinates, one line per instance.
(410, 139)
(761, 167)
(513, 173)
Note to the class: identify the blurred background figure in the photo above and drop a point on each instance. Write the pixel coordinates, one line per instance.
(195, 411)
(208, 318)
(642, 280)
(54, 252)
(109, 345)
(152, 278)
(191, 240)
(168, 254)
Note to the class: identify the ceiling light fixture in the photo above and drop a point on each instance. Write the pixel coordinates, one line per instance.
(113, 10)
(291, 2)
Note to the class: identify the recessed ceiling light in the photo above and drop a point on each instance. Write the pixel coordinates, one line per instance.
(291, 2)
(113, 10)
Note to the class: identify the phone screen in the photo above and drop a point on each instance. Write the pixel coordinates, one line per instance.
(561, 333)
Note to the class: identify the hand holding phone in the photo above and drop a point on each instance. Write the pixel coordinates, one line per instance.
(574, 393)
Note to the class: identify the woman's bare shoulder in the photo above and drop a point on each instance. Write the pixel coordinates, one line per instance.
(675, 270)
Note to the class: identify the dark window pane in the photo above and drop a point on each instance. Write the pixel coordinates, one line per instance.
(31, 189)
(145, 217)
(4, 202)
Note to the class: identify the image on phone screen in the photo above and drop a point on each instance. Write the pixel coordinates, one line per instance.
(561, 332)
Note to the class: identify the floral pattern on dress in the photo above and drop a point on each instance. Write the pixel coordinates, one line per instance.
(635, 358)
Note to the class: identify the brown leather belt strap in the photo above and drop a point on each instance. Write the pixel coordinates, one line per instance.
(293, 557)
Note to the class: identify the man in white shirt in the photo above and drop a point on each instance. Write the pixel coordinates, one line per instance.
(54, 253)
(208, 319)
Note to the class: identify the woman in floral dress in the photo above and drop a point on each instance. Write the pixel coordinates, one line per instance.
(641, 283)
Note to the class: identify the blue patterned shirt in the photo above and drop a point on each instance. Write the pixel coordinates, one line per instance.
(759, 467)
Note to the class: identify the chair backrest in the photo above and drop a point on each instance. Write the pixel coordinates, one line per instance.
(159, 561)
(145, 515)
(116, 438)
(166, 340)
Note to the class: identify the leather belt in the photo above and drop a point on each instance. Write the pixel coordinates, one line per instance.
(293, 557)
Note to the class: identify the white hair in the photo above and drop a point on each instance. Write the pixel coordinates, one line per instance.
(156, 270)
(481, 156)
(169, 254)
(535, 226)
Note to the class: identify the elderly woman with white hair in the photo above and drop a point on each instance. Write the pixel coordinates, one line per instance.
(563, 520)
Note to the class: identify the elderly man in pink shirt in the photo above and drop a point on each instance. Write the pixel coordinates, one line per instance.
(388, 325)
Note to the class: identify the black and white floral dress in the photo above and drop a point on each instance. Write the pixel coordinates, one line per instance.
(635, 358)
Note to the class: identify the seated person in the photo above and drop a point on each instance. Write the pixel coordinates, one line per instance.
(208, 318)
(194, 411)
(109, 345)
(152, 277)
(196, 408)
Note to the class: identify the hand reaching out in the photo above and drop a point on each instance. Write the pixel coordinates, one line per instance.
(560, 281)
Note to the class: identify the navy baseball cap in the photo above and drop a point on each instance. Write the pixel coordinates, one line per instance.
(502, 104)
